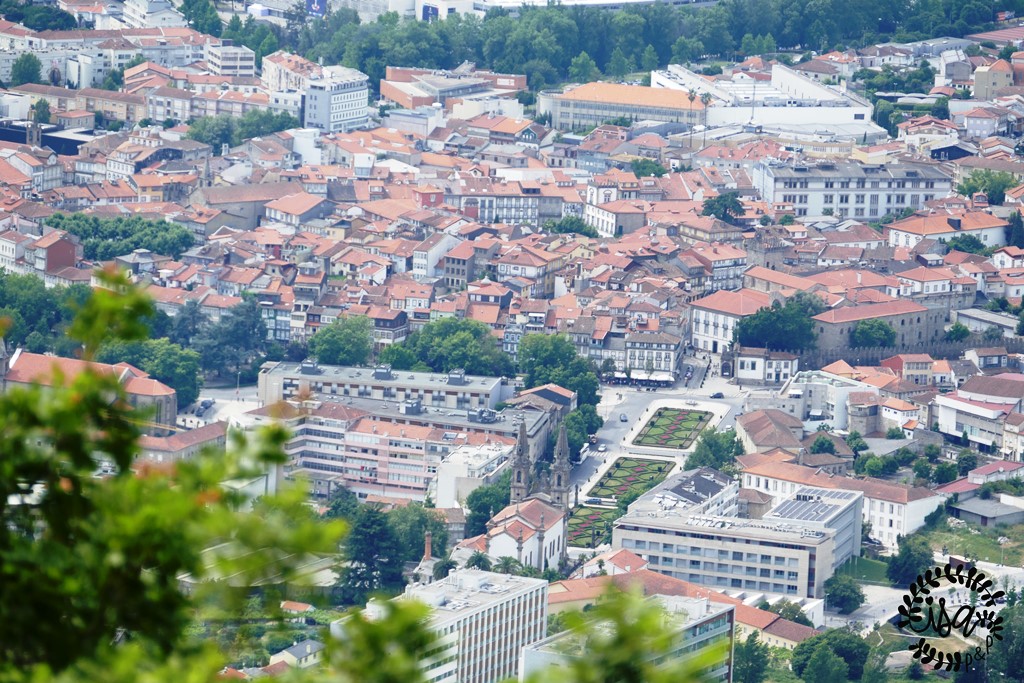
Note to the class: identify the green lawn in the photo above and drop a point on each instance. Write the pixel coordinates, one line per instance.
(673, 428)
(980, 542)
(865, 569)
(626, 473)
(589, 527)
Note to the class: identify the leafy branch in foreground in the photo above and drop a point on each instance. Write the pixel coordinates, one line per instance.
(86, 559)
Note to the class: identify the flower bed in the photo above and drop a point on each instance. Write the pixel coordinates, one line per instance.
(589, 527)
(626, 473)
(673, 428)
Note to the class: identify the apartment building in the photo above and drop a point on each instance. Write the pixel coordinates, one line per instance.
(231, 60)
(150, 13)
(725, 262)
(337, 100)
(791, 551)
(698, 626)
(913, 367)
(335, 445)
(453, 390)
(493, 200)
(850, 189)
(980, 407)
(483, 621)
(285, 71)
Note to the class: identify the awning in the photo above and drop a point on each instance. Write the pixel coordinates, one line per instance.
(816, 413)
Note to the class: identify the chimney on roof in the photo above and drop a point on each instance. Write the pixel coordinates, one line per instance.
(428, 540)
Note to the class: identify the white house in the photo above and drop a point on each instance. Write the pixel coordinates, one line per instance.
(716, 315)
(945, 225)
(893, 510)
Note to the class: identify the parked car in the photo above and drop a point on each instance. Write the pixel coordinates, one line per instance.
(718, 394)
(623, 418)
(593, 501)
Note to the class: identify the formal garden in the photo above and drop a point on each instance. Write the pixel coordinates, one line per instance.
(625, 473)
(589, 527)
(673, 428)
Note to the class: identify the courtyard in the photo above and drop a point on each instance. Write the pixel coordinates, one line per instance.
(675, 428)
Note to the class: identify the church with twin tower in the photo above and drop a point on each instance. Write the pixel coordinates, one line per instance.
(552, 487)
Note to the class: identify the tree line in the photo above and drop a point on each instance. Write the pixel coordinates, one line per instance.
(553, 44)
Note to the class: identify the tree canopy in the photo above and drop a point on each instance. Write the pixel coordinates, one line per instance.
(843, 593)
(570, 224)
(993, 183)
(227, 129)
(715, 449)
(643, 168)
(823, 444)
(346, 341)
(579, 424)
(36, 313)
(789, 610)
(234, 343)
(164, 360)
(87, 558)
(202, 16)
(373, 558)
(105, 238)
(913, 558)
(725, 207)
(38, 17)
(484, 502)
(872, 332)
(545, 358)
(450, 344)
(845, 643)
(41, 111)
(782, 327)
(750, 660)
(969, 244)
(26, 69)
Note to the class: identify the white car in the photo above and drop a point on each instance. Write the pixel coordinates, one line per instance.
(602, 448)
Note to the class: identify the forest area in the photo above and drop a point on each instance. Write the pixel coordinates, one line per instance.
(553, 44)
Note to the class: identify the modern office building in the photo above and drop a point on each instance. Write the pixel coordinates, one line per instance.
(697, 624)
(337, 100)
(791, 551)
(483, 620)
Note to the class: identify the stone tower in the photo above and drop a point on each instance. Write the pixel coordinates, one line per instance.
(560, 471)
(521, 467)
